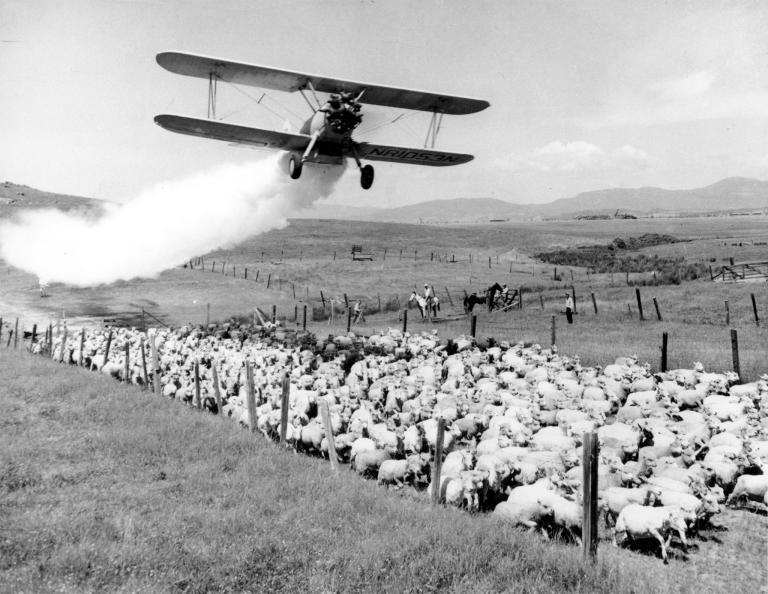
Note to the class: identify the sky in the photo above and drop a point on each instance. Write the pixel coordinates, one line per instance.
(584, 94)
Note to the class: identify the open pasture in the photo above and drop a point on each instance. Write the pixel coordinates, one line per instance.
(296, 265)
(693, 315)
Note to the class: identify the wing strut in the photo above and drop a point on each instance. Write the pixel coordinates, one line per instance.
(311, 88)
(213, 80)
(434, 129)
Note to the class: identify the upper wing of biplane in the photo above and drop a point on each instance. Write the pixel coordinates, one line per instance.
(233, 132)
(284, 80)
(414, 156)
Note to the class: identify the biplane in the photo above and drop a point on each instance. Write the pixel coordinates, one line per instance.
(326, 136)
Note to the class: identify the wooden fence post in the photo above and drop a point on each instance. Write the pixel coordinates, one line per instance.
(293, 288)
(34, 336)
(378, 297)
(349, 319)
(296, 312)
(727, 314)
(437, 466)
(207, 315)
(594, 303)
(489, 262)
(573, 295)
(325, 413)
(405, 321)
(10, 337)
(274, 313)
(216, 388)
(589, 499)
(269, 280)
(155, 366)
(450, 300)
(16, 334)
(284, 408)
(304, 318)
(553, 331)
(322, 298)
(658, 312)
(664, 342)
(346, 301)
(257, 275)
(250, 397)
(63, 344)
(754, 309)
(143, 363)
(639, 303)
(541, 301)
(245, 273)
(1, 329)
(127, 364)
(473, 326)
(198, 400)
(735, 353)
(106, 351)
(82, 346)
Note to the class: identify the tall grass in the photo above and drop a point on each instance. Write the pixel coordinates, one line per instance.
(105, 488)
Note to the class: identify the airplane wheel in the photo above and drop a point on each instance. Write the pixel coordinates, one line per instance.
(366, 177)
(294, 167)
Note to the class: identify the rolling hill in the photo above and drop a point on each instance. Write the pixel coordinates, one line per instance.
(15, 197)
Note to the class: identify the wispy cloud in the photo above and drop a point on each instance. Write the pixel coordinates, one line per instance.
(574, 156)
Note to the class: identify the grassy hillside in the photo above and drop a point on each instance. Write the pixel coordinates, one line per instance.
(104, 488)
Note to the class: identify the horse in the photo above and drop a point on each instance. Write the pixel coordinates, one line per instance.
(471, 300)
(427, 307)
(486, 296)
(491, 292)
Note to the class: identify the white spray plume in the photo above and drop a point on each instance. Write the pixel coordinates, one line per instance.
(163, 226)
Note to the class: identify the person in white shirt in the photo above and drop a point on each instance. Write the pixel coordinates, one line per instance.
(569, 308)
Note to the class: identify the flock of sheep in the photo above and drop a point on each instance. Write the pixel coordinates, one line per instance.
(674, 446)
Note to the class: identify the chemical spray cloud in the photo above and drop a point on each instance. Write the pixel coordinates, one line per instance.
(164, 226)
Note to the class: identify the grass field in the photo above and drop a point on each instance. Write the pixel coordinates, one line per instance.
(299, 260)
(104, 488)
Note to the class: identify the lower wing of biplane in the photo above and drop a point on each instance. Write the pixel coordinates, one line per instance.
(326, 137)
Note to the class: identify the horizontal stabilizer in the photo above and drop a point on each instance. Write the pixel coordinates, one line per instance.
(413, 156)
(288, 81)
(233, 132)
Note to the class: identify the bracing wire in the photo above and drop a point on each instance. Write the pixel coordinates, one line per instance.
(260, 101)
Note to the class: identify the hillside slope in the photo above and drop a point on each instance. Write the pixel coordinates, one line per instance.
(15, 197)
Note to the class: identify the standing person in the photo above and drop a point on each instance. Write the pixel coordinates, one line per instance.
(428, 294)
(569, 308)
(358, 313)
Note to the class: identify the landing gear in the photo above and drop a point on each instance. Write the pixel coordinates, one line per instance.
(366, 172)
(366, 176)
(294, 167)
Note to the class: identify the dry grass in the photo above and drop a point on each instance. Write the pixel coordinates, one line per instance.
(105, 488)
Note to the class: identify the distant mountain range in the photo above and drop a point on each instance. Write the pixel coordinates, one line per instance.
(733, 194)
(730, 194)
